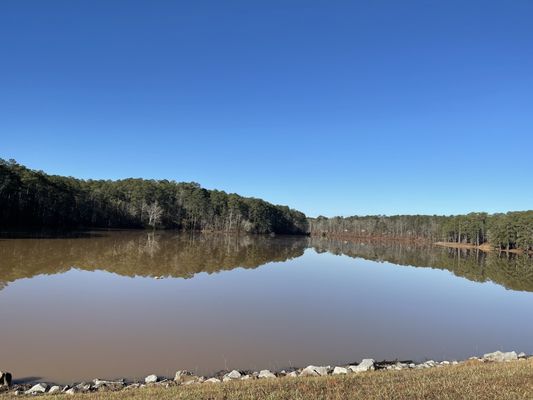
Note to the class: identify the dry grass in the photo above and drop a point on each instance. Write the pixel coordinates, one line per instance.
(472, 380)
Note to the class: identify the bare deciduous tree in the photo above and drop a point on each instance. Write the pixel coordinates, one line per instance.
(154, 212)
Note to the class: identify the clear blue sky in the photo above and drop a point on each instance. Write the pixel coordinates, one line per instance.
(331, 107)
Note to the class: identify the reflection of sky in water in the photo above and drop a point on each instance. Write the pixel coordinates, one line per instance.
(318, 308)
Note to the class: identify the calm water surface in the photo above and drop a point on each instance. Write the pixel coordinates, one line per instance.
(75, 309)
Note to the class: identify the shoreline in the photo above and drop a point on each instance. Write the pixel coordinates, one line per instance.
(485, 247)
(9, 385)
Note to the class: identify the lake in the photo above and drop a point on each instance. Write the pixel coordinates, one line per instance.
(128, 304)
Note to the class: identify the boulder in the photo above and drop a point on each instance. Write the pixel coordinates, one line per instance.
(54, 389)
(499, 356)
(265, 374)
(312, 370)
(103, 385)
(522, 355)
(233, 375)
(83, 387)
(5, 379)
(39, 388)
(340, 371)
(71, 391)
(292, 374)
(184, 377)
(133, 386)
(151, 379)
(212, 380)
(366, 365)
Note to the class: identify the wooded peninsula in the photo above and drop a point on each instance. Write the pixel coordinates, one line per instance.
(31, 199)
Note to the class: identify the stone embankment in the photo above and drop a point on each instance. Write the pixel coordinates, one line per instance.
(188, 378)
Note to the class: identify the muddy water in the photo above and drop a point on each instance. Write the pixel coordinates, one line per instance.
(127, 304)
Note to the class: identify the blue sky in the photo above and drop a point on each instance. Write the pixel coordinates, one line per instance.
(331, 107)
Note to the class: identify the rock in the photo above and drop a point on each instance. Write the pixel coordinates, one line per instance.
(71, 391)
(245, 377)
(340, 371)
(312, 370)
(233, 375)
(499, 356)
(133, 386)
(292, 374)
(39, 388)
(5, 379)
(102, 385)
(54, 389)
(83, 387)
(151, 379)
(366, 365)
(184, 377)
(212, 380)
(265, 374)
(522, 355)
(192, 379)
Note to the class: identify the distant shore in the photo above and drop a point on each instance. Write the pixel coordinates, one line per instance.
(487, 247)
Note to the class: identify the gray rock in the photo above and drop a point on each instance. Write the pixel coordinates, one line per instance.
(151, 379)
(312, 370)
(212, 380)
(292, 374)
(340, 371)
(71, 391)
(233, 375)
(246, 377)
(366, 365)
(265, 374)
(103, 385)
(133, 386)
(522, 355)
(499, 356)
(184, 377)
(5, 379)
(83, 387)
(39, 388)
(54, 389)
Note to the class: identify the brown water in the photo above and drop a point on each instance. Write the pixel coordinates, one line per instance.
(75, 309)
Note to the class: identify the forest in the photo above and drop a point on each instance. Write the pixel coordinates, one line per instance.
(34, 199)
(512, 230)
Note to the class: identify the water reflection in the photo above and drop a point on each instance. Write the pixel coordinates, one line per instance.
(167, 254)
(82, 310)
(153, 254)
(512, 271)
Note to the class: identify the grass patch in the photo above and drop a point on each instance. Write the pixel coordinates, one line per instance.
(470, 380)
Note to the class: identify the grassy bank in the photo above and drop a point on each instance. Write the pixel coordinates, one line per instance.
(470, 380)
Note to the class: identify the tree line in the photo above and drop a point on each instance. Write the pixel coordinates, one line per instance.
(512, 230)
(34, 199)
